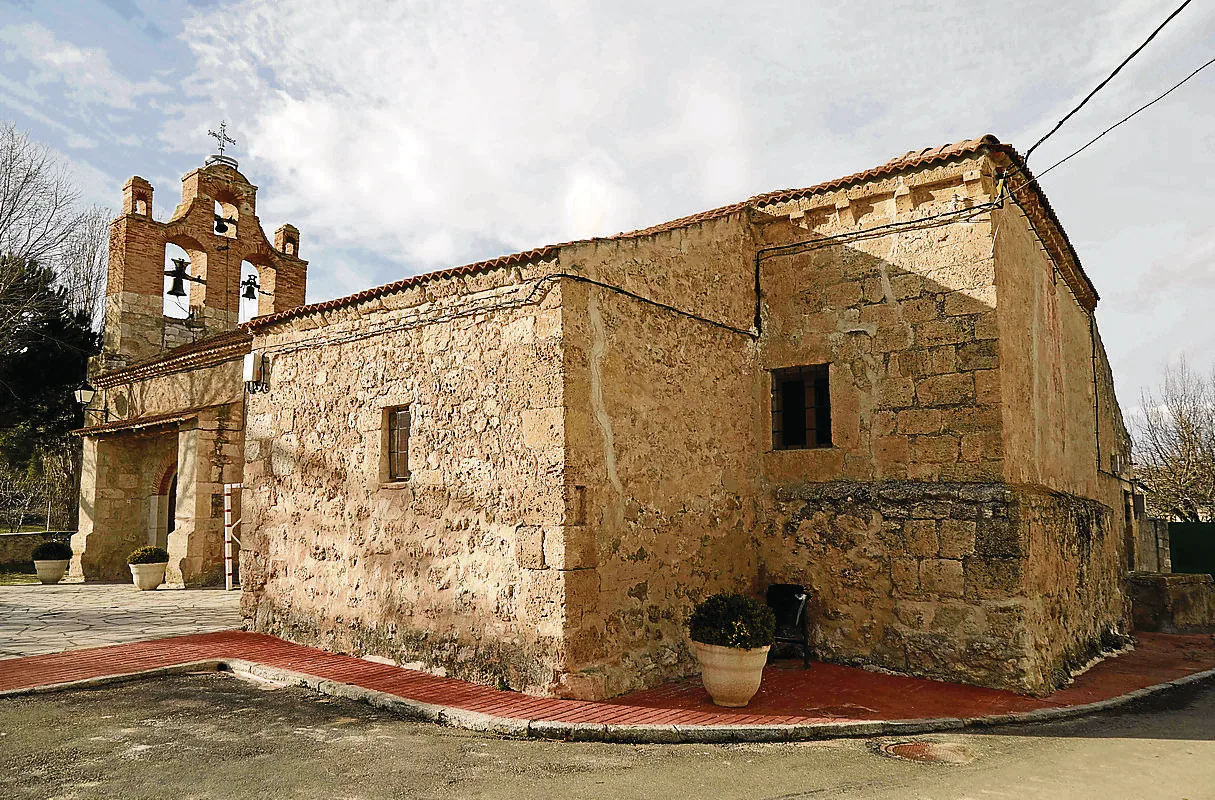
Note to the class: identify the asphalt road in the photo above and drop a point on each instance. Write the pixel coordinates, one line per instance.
(215, 736)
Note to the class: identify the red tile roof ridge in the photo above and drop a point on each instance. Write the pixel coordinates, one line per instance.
(912, 159)
(190, 350)
(154, 420)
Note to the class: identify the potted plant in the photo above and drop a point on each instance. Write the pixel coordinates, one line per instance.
(51, 561)
(731, 634)
(148, 567)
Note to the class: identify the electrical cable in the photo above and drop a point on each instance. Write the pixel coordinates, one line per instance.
(1127, 118)
(1108, 78)
(531, 298)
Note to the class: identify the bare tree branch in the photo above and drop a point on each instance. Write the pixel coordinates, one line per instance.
(1175, 446)
(83, 261)
(41, 222)
(38, 201)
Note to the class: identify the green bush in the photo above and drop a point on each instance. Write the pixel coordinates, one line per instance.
(732, 620)
(149, 555)
(52, 551)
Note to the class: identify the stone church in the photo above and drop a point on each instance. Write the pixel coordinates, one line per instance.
(889, 388)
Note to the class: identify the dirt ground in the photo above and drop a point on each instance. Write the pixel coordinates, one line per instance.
(215, 736)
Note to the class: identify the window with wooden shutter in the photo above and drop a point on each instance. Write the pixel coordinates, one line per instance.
(396, 442)
(801, 407)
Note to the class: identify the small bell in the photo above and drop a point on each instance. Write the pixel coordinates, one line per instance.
(179, 275)
(221, 224)
(250, 287)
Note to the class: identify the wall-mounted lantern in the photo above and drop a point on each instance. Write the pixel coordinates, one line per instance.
(84, 396)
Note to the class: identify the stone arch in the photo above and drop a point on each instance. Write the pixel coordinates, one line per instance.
(261, 260)
(165, 473)
(227, 208)
(249, 307)
(163, 511)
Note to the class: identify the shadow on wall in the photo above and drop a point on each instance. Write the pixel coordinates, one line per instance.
(916, 582)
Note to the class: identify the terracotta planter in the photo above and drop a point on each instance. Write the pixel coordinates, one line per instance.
(52, 571)
(731, 675)
(148, 576)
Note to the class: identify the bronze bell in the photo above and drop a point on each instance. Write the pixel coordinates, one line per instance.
(179, 275)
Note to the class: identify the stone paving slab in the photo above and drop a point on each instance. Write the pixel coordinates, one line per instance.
(37, 619)
(1160, 663)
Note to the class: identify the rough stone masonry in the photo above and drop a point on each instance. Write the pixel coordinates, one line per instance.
(888, 388)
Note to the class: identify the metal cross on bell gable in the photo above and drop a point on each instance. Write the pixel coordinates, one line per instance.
(222, 136)
(222, 139)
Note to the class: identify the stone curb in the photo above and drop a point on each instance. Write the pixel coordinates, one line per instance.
(610, 732)
(207, 665)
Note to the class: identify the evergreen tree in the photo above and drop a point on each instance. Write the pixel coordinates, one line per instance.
(44, 352)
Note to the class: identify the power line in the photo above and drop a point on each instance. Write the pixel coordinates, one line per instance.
(1108, 78)
(1127, 118)
(540, 285)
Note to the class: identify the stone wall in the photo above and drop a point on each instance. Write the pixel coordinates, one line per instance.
(184, 391)
(1074, 570)
(118, 481)
(459, 567)
(907, 323)
(1173, 603)
(592, 454)
(17, 549)
(1152, 546)
(660, 435)
(1063, 433)
(970, 582)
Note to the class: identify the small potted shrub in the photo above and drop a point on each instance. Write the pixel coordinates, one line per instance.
(51, 561)
(148, 567)
(731, 634)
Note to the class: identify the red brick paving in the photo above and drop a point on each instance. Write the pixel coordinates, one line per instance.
(789, 695)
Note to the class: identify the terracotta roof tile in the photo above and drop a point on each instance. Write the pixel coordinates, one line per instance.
(210, 349)
(524, 257)
(912, 159)
(139, 423)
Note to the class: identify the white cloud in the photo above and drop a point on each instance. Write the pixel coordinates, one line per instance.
(436, 133)
(407, 135)
(85, 73)
(440, 135)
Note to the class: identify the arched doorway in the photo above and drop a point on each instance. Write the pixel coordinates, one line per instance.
(171, 516)
(164, 503)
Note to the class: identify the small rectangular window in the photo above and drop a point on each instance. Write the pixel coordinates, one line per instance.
(396, 442)
(801, 408)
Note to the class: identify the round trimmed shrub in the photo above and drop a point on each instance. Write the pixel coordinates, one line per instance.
(52, 551)
(149, 555)
(732, 620)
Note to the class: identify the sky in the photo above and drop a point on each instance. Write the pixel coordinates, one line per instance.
(406, 136)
